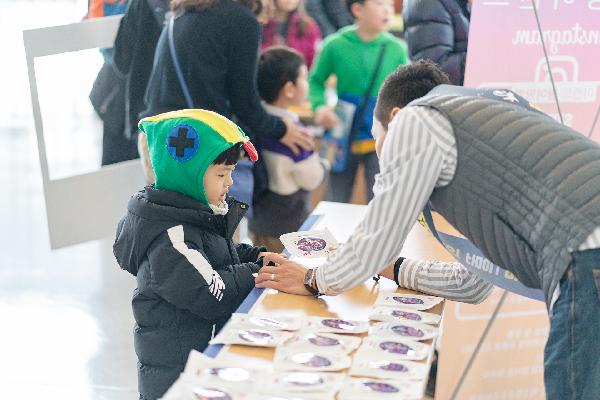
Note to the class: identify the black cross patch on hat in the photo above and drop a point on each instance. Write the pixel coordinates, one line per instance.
(182, 142)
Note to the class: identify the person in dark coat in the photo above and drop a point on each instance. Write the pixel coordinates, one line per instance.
(134, 48)
(438, 30)
(331, 15)
(176, 238)
(108, 94)
(216, 43)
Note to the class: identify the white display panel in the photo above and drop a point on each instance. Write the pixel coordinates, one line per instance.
(85, 206)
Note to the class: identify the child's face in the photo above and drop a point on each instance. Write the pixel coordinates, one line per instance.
(374, 15)
(266, 14)
(217, 181)
(287, 6)
(299, 90)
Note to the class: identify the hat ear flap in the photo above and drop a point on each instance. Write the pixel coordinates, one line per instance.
(252, 153)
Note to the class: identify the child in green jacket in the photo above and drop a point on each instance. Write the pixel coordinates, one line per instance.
(351, 54)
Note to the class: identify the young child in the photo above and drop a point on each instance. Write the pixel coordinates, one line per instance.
(282, 83)
(176, 240)
(293, 27)
(351, 55)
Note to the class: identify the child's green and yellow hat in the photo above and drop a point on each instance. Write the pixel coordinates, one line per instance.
(183, 144)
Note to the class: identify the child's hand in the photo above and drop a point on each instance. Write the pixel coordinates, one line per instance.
(326, 117)
(274, 258)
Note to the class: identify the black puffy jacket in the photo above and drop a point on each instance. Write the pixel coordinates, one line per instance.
(190, 278)
(438, 30)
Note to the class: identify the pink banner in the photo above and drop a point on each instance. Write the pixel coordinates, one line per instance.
(505, 50)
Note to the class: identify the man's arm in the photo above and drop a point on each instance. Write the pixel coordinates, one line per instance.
(450, 280)
(411, 163)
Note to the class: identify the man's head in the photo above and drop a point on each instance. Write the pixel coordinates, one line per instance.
(194, 152)
(372, 16)
(405, 84)
(282, 77)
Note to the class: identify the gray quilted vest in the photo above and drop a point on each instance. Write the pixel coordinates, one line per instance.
(526, 190)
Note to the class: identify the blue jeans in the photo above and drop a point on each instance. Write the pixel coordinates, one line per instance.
(572, 354)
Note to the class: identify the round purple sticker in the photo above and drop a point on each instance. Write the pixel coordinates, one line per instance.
(318, 340)
(230, 374)
(406, 315)
(408, 300)
(405, 330)
(339, 324)
(388, 366)
(394, 347)
(210, 394)
(311, 360)
(256, 336)
(308, 244)
(302, 379)
(381, 387)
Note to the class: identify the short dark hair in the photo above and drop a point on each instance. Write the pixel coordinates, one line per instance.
(349, 4)
(277, 66)
(405, 84)
(230, 156)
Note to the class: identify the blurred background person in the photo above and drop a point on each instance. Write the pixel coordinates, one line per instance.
(134, 48)
(360, 56)
(286, 204)
(108, 94)
(291, 26)
(438, 30)
(331, 15)
(216, 44)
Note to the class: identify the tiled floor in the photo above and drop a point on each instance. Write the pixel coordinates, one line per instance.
(66, 330)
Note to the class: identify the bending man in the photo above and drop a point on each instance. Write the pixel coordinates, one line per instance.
(521, 187)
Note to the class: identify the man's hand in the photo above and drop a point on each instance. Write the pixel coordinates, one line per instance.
(296, 137)
(326, 117)
(287, 276)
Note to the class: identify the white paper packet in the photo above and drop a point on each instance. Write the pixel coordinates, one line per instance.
(188, 387)
(310, 244)
(408, 301)
(290, 396)
(404, 329)
(385, 368)
(251, 337)
(375, 389)
(335, 325)
(298, 360)
(393, 348)
(309, 384)
(210, 371)
(396, 314)
(323, 342)
(243, 321)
